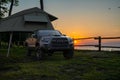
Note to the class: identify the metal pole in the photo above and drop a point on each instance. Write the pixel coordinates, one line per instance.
(10, 41)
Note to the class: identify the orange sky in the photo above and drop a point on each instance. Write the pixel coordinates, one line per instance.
(96, 24)
(88, 17)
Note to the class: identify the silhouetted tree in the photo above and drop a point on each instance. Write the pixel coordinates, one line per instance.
(3, 6)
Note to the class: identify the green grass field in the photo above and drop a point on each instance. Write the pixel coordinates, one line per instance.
(86, 65)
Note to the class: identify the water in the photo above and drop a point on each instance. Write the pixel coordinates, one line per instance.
(95, 48)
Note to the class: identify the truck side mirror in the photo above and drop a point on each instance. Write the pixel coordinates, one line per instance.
(34, 36)
(64, 35)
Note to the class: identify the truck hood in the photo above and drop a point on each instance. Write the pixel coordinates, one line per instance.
(55, 36)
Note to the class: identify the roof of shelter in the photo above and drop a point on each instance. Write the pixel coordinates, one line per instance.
(34, 16)
(27, 11)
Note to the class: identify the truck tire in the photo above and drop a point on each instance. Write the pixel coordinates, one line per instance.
(68, 54)
(39, 54)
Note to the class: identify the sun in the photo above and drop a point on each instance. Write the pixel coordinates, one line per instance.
(76, 42)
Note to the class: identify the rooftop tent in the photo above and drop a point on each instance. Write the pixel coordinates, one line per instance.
(35, 18)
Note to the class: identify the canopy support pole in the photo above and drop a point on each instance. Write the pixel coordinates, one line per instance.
(9, 46)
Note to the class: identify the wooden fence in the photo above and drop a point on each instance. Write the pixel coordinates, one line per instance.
(99, 38)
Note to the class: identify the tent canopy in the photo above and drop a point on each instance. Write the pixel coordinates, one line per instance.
(27, 21)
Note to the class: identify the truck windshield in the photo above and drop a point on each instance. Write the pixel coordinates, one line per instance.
(48, 33)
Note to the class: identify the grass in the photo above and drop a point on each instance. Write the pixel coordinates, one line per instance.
(86, 65)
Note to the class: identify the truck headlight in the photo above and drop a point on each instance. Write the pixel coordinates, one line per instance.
(71, 41)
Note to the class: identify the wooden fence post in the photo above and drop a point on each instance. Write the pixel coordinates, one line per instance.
(99, 43)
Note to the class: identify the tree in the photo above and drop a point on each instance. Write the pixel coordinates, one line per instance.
(11, 7)
(4, 6)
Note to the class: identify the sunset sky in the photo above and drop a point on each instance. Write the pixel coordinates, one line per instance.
(81, 18)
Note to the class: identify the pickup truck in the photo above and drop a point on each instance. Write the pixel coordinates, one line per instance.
(50, 41)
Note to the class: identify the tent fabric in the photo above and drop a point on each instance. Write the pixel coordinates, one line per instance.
(35, 18)
(18, 21)
(27, 11)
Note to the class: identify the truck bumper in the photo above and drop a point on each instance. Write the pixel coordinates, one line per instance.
(48, 48)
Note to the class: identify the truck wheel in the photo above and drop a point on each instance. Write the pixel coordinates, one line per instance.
(68, 54)
(39, 54)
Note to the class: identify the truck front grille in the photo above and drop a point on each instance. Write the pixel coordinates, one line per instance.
(59, 42)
